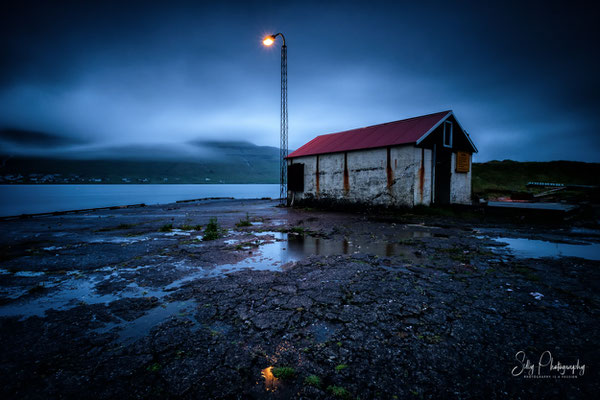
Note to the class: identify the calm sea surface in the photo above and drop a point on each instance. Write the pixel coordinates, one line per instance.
(30, 199)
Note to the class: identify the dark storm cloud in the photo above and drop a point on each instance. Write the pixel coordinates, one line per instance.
(521, 77)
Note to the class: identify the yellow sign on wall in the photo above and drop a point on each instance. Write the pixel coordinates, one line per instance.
(463, 162)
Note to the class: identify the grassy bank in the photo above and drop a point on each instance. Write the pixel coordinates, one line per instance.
(504, 177)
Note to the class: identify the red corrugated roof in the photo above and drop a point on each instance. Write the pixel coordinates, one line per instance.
(389, 134)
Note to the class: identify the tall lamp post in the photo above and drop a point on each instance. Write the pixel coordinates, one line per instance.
(283, 128)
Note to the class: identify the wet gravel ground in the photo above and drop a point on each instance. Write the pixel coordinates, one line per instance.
(133, 303)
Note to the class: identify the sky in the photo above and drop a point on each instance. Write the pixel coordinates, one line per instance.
(521, 77)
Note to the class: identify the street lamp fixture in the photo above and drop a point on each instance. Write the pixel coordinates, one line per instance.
(283, 128)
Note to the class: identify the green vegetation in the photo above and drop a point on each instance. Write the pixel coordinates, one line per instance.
(166, 228)
(338, 391)
(154, 367)
(458, 254)
(212, 230)
(503, 177)
(433, 339)
(313, 380)
(284, 372)
(244, 222)
(299, 230)
(527, 273)
(187, 227)
(340, 367)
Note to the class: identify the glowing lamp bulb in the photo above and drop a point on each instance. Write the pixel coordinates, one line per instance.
(268, 41)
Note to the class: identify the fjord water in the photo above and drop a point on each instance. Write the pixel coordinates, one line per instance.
(31, 199)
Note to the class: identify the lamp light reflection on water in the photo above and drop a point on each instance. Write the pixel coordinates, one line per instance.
(271, 383)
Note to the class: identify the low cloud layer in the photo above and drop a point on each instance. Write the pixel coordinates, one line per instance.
(521, 79)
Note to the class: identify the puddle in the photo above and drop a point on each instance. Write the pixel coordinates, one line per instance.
(529, 248)
(68, 293)
(585, 231)
(302, 246)
(178, 232)
(119, 240)
(130, 331)
(29, 274)
(277, 249)
(322, 331)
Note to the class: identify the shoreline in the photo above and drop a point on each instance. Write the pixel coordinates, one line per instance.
(16, 200)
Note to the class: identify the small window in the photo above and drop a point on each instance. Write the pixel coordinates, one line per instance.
(447, 134)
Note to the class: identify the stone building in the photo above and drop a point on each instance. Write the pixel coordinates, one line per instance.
(422, 160)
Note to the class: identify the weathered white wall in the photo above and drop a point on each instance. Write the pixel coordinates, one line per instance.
(368, 176)
(411, 173)
(460, 184)
(423, 182)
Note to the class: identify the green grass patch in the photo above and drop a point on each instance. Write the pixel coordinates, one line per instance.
(527, 273)
(340, 367)
(284, 372)
(166, 228)
(299, 230)
(338, 391)
(244, 222)
(502, 177)
(187, 227)
(433, 339)
(212, 230)
(154, 367)
(313, 380)
(458, 254)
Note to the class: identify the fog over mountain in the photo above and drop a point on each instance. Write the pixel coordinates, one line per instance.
(520, 76)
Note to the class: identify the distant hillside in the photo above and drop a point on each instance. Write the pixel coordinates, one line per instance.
(219, 162)
(242, 162)
(507, 176)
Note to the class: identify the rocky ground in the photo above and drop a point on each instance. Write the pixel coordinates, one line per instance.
(293, 303)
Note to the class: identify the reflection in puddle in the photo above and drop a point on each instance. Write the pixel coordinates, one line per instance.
(304, 245)
(585, 231)
(529, 248)
(129, 331)
(29, 273)
(279, 248)
(322, 331)
(275, 250)
(271, 383)
(64, 294)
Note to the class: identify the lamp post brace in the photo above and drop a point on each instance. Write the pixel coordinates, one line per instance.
(283, 129)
